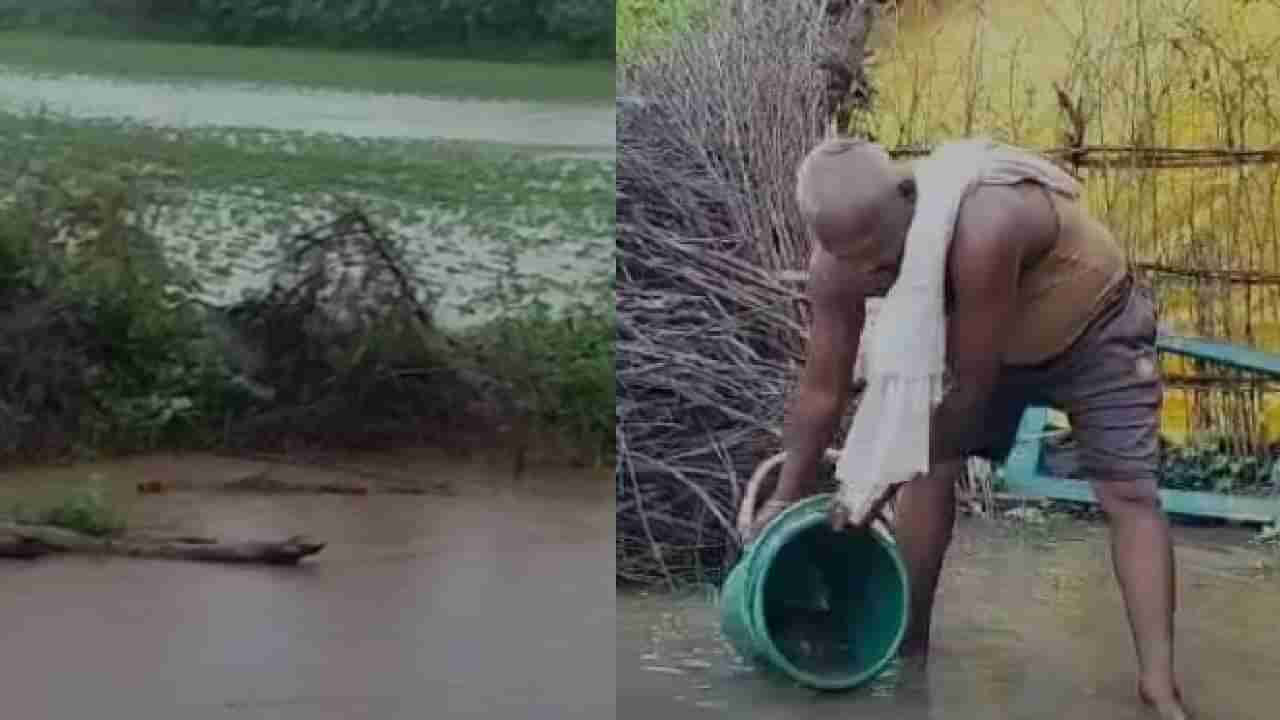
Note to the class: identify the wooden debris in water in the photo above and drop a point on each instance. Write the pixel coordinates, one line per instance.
(345, 342)
(34, 541)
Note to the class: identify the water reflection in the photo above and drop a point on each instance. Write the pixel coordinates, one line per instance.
(497, 602)
(327, 111)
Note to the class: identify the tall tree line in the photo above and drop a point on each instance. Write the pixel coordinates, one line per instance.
(579, 28)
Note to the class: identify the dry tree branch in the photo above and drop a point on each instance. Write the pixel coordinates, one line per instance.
(710, 132)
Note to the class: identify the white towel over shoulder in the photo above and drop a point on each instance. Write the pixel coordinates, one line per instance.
(904, 351)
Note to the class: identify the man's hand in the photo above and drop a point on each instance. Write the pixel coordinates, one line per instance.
(839, 308)
(842, 518)
(762, 518)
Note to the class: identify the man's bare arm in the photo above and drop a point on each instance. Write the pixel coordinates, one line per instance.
(838, 314)
(985, 263)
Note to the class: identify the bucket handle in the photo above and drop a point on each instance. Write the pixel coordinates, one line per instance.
(747, 511)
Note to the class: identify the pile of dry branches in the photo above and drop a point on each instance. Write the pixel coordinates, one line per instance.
(341, 349)
(710, 132)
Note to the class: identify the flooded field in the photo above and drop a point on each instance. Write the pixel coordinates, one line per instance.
(492, 601)
(229, 239)
(472, 213)
(491, 598)
(1025, 628)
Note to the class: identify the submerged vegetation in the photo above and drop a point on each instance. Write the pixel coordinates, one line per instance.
(122, 331)
(478, 213)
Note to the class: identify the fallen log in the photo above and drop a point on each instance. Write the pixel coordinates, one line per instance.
(23, 541)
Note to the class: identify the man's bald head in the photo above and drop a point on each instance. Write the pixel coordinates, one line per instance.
(850, 190)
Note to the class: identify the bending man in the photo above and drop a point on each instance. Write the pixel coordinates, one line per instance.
(1041, 309)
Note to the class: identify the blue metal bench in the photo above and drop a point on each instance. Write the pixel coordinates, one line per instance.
(1023, 474)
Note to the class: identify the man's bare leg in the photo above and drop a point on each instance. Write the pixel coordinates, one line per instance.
(1142, 553)
(924, 515)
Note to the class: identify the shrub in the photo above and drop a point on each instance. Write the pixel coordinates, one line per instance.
(561, 369)
(104, 345)
(84, 510)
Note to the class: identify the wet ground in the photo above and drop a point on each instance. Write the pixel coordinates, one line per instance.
(343, 113)
(1030, 625)
(495, 601)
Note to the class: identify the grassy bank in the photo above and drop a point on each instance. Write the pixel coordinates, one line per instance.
(50, 52)
(167, 218)
(645, 25)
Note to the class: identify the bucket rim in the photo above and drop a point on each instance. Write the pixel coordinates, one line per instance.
(813, 512)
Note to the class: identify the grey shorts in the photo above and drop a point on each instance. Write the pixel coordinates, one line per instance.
(1108, 383)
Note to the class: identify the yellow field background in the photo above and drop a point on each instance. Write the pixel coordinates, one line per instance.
(1138, 73)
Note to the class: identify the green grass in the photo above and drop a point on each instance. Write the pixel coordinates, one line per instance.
(47, 52)
(562, 368)
(236, 191)
(645, 25)
(84, 509)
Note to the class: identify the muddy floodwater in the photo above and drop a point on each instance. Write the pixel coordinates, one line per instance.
(495, 601)
(328, 111)
(1025, 628)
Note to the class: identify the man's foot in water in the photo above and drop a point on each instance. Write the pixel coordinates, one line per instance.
(1166, 705)
(910, 673)
(913, 659)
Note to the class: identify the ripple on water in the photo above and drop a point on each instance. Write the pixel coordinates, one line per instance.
(361, 115)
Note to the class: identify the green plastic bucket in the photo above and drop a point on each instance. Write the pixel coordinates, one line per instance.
(801, 585)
